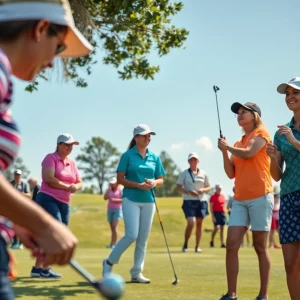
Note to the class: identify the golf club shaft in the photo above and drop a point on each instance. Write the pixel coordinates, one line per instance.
(83, 272)
(216, 89)
(162, 228)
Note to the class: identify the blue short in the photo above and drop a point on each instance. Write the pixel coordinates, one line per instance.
(114, 214)
(195, 208)
(6, 292)
(220, 218)
(289, 218)
(58, 210)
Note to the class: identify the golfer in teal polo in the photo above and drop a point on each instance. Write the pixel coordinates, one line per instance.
(139, 171)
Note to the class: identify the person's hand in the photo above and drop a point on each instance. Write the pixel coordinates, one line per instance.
(213, 219)
(150, 182)
(194, 193)
(72, 188)
(222, 144)
(271, 150)
(27, 239)
(56, 243)
(145, 186)
(200, 192)
(287, 131)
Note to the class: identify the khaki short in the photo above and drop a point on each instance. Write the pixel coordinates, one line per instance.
(256, 212)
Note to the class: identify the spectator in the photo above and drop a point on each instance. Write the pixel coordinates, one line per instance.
(193, 183)
(114, 209)
(217, 210)
(34, 186)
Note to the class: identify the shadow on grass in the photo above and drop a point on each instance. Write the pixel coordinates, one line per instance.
(57, 292)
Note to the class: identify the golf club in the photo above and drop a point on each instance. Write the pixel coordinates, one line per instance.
(109, 290)
(216, 89)
(175, 282)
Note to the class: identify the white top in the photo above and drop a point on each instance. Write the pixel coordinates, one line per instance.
(200, 181)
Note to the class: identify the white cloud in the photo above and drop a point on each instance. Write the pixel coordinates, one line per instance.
(205, 143)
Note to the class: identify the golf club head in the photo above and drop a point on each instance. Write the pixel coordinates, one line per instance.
(175, 282)
(215, 88)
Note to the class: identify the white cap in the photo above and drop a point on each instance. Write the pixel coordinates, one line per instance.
(142, 129)
(56, 12)
(193, 154)
(218, 186)
(66, 138)
(294, 83)
(113, 180)
(18, 171)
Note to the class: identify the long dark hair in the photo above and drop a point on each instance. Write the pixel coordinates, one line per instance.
(11, 30)
(132, 143)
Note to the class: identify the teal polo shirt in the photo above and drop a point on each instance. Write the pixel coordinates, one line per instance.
(290, 181)
(137, 169)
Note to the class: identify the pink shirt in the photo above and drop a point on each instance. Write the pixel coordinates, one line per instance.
(66, 172)
(114, 194)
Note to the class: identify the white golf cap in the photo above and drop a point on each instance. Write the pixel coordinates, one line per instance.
(18, 171)
(66, 138)
(56, 12)
(218, 186)
(142, 129)
(294, 83)
(113, 180)
(193, 154)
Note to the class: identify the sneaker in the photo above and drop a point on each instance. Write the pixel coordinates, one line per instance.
(110, 246)
(226, 297)
(184, 249)
(21, 247)
(15, 246)
(198, 250)
(140, 279)
(223, 246)
(106, 268)
(49, 274)
(212, 244)
(260, 298)
(36, 272)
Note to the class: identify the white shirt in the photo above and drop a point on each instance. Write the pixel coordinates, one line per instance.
(199, 181)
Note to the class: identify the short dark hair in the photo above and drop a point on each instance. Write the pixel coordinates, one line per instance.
(11, 30)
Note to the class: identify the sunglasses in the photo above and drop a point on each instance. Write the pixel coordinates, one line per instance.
(62, 46)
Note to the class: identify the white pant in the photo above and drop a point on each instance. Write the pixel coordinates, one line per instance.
(138, 219)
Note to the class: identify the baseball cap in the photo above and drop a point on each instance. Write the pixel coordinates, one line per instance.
(113, 180)
(66, 138)
(248, 105)
(193, 154)
(294, 83)
(218, 186)
(142, 129)
(55, 11)
(18, 171)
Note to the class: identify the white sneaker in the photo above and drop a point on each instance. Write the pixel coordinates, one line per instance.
(106, 268)
(140, 279)
(198, 250)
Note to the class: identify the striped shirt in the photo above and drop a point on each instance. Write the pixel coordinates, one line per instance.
(10, 139)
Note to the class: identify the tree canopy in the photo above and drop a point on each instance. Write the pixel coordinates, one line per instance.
(126, 31)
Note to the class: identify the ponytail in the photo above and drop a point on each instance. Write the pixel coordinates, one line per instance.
(131, 144)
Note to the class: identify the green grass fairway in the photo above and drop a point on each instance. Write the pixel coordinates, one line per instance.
(202, 276)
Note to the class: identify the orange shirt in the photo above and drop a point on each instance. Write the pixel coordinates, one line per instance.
(252, 175)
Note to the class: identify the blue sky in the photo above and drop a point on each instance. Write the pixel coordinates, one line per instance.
(245, 47)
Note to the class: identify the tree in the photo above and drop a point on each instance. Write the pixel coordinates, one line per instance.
(17, 164)
(98, 161)
(126, 31)
(168, 189)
